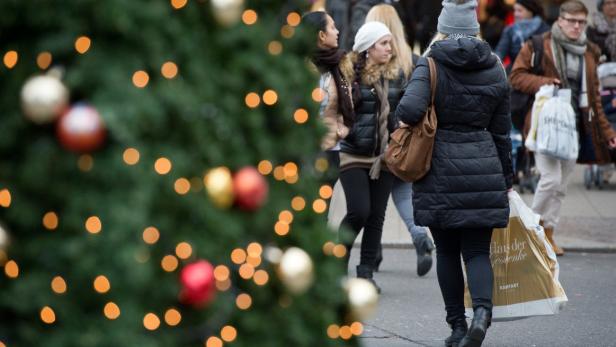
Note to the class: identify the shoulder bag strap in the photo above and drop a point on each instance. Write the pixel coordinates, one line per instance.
(433, 80)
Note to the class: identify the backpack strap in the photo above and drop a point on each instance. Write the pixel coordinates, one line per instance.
(433, 80)
(537, 42)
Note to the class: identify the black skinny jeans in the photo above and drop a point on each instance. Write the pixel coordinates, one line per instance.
(366, 201)
(474, 244)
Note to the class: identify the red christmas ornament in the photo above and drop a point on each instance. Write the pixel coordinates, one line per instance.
(81, 129)
(250, 188)
(198, 283)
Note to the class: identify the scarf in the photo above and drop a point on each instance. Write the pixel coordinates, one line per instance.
(524, 29)
(382, 92)
(607, 27)
(328, 60)
(567, 54)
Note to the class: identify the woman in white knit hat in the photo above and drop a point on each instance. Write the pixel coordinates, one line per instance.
(378, 85)
(464, 195)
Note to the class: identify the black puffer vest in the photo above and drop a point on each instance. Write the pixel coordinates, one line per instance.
(363, 138)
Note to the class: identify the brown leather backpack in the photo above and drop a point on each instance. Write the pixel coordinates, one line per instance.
(409, 152)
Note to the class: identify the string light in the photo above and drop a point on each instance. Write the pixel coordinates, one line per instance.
(279, 173)
(287, 31)
(43, 60)
(5, 198)
(10, 59)
(50, 220)
(286, 216)
(274, 47)
(131, 156)
(293, 19)
(162, 166)
(318, 94)
(151, 235)
(345, 332)
(85, 162)
(151, 321)
(141, 79)
(94, 225)
(213, 341)
(183, 250)
(252, 100)
(48, 315)
(281, 228)
(228, 333)
(339, 251)
(264, 167)
(169, 263)
(243, 301)
(58, 285)
(321, 164)
(328, 248)
(270, 97)
(246, 271)
(326, 191)
(169, 70)
(178, 4)
(333, 331)
(238, 256)
(182, 186)
(173, 317)
(249, 17)
(82, 44)
(254, 249)
(111, 311)
(298, 203)
(221, 273)
(101, 284)
(300, 116)
(357, 328)
(11, 269)
(261, 277)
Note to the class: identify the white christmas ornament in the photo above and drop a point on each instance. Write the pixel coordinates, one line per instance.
(296, 270)
(43, 98)
(227, 12)
(363, 297)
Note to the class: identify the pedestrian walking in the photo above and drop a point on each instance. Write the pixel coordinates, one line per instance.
(603, 29)
(528, 15)
(336, 108)
(402, 192)
(377, 86)
(463, 197)
(569, 61)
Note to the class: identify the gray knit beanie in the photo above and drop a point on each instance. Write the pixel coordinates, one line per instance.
(458, 17)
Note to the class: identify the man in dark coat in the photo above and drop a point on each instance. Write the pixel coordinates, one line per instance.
(464, 195)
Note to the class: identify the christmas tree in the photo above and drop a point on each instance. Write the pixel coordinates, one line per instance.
(158, 178)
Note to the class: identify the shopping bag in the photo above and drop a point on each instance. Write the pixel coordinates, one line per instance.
(557, 134)
(525, 268)
(544, 94)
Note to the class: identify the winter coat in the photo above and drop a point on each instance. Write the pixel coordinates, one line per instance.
(332, 118)
(470, 172)
(363, 136)
(523, 80)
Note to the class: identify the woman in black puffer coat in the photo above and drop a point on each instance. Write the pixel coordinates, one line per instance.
(464, 195)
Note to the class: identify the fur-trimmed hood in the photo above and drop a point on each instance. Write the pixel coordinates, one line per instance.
(371, 73)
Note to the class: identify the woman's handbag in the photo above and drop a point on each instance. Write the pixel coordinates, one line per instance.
(409, 153)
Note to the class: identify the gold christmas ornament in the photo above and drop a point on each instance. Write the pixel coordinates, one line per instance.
(219, 186)
(43, 98)
(363, 298)
(227, 12)
(296, 270)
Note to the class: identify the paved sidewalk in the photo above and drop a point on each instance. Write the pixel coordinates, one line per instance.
(588, 221)
(411, 310)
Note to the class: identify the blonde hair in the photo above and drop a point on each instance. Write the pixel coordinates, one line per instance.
(402, 55)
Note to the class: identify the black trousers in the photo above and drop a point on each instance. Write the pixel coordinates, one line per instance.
(474, 245)
(366, 201)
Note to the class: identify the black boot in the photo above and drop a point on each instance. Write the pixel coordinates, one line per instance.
(379, 258)
(424, 248)
(458, 331)
(366, 271)
(482, 318)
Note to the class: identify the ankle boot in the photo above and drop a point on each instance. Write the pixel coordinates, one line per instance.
(549, 233)
(366, 271)
(482, 318)
(379, 258)
(458, 331)
(424, 248)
